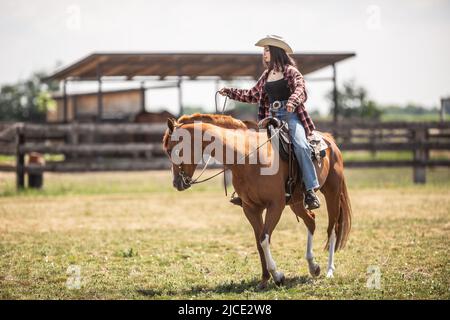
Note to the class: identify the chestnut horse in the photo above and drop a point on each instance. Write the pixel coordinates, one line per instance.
(259, 191)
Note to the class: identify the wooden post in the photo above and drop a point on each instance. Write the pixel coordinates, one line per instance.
(73, 139)
(99, 101)
(99, 94)
(75, 108)
(143, 96)
(420, 156)
(335, 96)
(20, 159)
(180, 97)
(65, 107)
(444, 103)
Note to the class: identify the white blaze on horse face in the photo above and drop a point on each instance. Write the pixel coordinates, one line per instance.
(330, 269)
(271, 265)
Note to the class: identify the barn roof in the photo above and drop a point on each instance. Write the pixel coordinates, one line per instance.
(192, 65)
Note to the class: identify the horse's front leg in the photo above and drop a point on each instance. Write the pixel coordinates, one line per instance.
(254, 216)
(272, 217)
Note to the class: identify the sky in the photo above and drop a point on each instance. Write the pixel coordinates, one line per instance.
(402, 46)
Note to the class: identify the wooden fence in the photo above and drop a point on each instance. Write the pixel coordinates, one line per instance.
(114, 147)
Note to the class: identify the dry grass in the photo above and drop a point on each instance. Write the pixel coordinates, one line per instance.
(135, 237)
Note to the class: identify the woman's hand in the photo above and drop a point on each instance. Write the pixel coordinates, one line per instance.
(223, 91)
(290, 107)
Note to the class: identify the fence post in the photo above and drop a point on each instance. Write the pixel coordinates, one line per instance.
(73, 138)
(20, 159)
(420, 155)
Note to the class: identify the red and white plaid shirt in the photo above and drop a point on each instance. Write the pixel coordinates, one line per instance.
(258, 95)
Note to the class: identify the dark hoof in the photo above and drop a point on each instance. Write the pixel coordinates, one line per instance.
(281, 281)
(262, 285)
(316, 272)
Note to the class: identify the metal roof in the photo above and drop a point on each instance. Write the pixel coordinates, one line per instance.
(193, 65)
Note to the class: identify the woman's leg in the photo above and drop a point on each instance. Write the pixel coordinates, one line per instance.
(303, 152)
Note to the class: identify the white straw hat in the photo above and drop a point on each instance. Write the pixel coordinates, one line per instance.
(276, 41)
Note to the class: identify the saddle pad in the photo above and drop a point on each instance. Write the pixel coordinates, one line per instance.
(316, 141)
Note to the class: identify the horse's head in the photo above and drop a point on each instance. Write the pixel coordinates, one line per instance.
(182, 170)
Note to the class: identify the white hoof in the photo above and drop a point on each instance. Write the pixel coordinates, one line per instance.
(330, 274)
(279, 278)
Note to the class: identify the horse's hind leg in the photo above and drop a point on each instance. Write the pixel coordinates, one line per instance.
(332, 243)
(308, 219)
(254, 216)
(331, 191)
(314, 268)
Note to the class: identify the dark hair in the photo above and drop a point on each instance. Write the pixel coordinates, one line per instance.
(279, 59)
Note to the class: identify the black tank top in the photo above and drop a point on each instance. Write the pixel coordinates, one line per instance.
(277, 90)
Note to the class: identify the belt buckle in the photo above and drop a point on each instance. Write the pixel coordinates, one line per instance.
(276, 105)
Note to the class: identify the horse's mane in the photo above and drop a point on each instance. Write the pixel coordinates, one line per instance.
(219, 120)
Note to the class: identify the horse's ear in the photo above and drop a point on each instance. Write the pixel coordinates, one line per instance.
(171, 124)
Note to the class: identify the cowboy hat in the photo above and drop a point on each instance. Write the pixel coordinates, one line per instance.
(276, 41)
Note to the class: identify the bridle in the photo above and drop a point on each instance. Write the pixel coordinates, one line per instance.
(187, 180)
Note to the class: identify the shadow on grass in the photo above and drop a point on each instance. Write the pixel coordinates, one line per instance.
(228, 287)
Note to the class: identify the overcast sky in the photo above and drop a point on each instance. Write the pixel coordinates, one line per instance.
(402, 47)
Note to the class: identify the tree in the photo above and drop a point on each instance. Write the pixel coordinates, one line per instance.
(353, 102)
(27, 100)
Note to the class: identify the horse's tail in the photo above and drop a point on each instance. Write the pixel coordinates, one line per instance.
(344, 222)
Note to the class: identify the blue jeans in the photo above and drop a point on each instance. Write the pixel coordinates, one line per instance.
(301, 147)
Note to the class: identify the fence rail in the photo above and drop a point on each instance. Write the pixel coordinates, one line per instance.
(111, 147)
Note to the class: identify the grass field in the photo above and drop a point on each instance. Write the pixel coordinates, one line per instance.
(132, 236)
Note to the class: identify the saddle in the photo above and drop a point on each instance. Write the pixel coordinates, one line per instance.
(275, 126)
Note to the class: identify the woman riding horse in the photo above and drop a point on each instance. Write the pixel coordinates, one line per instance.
(280, 92)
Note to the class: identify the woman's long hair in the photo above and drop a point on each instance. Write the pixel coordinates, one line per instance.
(279, 59)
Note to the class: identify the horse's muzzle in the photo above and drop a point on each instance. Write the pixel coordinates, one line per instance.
(180, 184)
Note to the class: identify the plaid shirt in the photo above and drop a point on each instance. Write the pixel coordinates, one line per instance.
(258, 95)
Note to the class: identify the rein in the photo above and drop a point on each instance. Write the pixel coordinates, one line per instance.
(224, 103)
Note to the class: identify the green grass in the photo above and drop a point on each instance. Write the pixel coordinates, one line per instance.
(133, 237)
(394, 117)
(410, 117)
